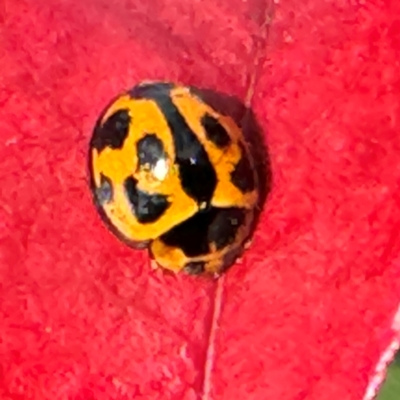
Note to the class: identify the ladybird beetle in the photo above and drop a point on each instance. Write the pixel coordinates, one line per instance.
(170, 173)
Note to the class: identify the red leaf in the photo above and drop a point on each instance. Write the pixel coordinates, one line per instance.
(308, 312)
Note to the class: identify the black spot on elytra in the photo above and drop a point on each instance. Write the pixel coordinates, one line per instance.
(215, 132)
(150, 149)
(194, 236)
(224, 227)
(113, 132)
(151, 90)
(254, 134)
(147, 208)
(195, 169)
(104, 193)
(243, 175)
(195, 268)
(191, 235)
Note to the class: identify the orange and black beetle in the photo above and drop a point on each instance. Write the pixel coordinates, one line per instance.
(170, 173)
